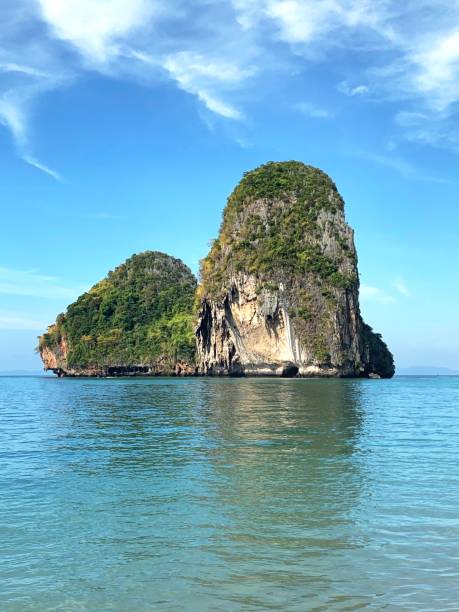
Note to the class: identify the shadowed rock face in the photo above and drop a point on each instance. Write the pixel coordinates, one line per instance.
(280, 288)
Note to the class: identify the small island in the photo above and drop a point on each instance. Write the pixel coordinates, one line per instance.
(138, 320)
(278, 296)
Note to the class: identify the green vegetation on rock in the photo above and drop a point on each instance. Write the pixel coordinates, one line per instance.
(274, 221)
(140, 313)
(381, 358)
(280, 282)
(279, 291)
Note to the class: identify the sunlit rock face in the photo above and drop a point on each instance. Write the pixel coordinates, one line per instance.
(279, 289)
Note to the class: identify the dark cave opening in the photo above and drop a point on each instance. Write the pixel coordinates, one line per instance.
(290, 371)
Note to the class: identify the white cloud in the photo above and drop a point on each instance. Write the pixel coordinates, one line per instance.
(410, 50)
(12, 116)
(217, 106)
(15, 108)
(301, 22)
(437, 75)
(410, 119)
(114, 35)
(248, 13)
(186, 67)
(357, 90)
(315, 112)
(424, 76)
(401, 287)
(95, 27)
(31, 283)
(199, 75)
(32, 161)
(429, 128)
(374, 294)
(29, 70)
(214, 51)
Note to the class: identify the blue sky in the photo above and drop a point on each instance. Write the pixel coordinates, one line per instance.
(125, 124)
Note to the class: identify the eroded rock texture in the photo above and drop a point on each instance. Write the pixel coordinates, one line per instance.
(279, 289)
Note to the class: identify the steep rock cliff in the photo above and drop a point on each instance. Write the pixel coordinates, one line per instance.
(280, 289)
(138, 320)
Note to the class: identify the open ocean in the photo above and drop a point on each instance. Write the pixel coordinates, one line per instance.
(229, 494)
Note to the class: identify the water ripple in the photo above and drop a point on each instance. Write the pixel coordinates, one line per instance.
(170, 494)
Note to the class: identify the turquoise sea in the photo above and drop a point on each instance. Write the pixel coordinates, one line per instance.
(229, 494)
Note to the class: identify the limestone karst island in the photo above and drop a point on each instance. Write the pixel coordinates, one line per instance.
(278, 296)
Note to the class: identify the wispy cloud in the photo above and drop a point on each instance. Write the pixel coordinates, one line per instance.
(351, 91)
(303, 22)
(394, 162)
(32, 161)
(369, 293)
(12, 115)
(405, 52)
(313, 111)
(29, 70)
(429, 128)
(417, 44)
(200, 76)
(437, 65)
(397, 163)
(15, 104)
(34, 284)
(374, 294)
(401, 287)
(96, 28)
(12, 321)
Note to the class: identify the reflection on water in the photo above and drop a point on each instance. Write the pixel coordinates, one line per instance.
(235, 494)
(283, 459)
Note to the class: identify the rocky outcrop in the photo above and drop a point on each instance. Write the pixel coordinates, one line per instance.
(138, 321)
(279, 288)
(279, 296)
(55, 360)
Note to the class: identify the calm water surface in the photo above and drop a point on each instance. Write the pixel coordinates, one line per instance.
(170, 494)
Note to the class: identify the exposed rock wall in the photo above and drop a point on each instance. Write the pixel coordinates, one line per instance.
(55, 358)
(287, 318)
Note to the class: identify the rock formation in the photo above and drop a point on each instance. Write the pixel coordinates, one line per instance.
(280, 288)
(279, 295)
(137, 321)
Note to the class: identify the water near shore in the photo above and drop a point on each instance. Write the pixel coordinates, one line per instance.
(202, 494)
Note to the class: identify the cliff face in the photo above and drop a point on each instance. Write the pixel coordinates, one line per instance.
(279, 295)
(54, 357)
(279, 290)
(137, 321)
